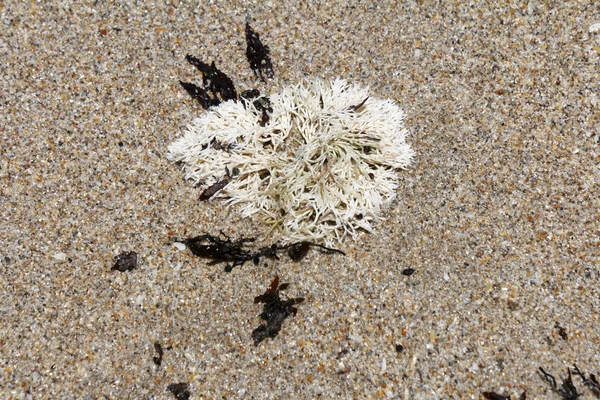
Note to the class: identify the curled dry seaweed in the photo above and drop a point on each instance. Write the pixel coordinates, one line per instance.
(126, 261)
(275, 311)
(258, 54)
(234, 252)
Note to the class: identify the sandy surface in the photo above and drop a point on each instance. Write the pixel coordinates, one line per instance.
(499, 215)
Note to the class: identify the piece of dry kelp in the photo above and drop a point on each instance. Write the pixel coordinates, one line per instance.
(567, 391)
(126, 261)
(275, 311)
(258, 54)
(159, 350)
(180, 390)
(234, 251)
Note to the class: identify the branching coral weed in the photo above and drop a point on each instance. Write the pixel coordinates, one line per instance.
(320, 166)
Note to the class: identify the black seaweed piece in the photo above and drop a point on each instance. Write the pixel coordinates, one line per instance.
(408, 271)
(221, 84)
(250, 94)
(562, 332)
(180, 390)
(214, 80)
(590, 382)
(213, 189)
(158, 359)
(275, 311)
(220, 250)
(567, 391)
(126, 261)
(199, 94)
(263, 104)
(297, 251)
(494, 396)
(258, 54)
(358, 106)
(233, 252)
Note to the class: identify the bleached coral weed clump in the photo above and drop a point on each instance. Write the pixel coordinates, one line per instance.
(320, 168)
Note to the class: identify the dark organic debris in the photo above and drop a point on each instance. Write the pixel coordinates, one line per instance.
(399, 348)
(213, 189)
(126, 261)
(233, 252)
(408, 271)
(496, 396)
(275, 311)
(358, 106)
(263, 105)
(180, 390)
(200, 94)
(249, 94)
(258, 54)
(591, 382)
(297, 251)
(562, 332)
(567, 391)
(214, 80)
(158, 359)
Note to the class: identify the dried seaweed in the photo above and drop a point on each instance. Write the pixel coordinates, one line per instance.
(562, 332)
(275, 311)
(591, 382)
(200, 94)
(126, 261)
(258, 54)
(496, 396)
(180, 390)
(213, 189)
(158, 359)
(567, 391)
(214, 80)
(234, 252)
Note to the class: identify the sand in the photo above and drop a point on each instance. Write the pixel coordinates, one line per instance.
(498, 215)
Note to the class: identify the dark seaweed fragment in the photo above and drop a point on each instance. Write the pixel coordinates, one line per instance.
(214, 80)
(562, 332)
(591, 382)
(180, 390)
(126, 261)
(567, 391)
(408, 271)
(496, 396)
(263, 105)
(358, 106)
(200, 94)
(158, 359)
(297, 251)
(250, 94)
(220, 250)
(258, 54)
(275, 311)
(234, 253)
(213, 189)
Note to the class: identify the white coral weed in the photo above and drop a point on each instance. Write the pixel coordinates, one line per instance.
(320, 169)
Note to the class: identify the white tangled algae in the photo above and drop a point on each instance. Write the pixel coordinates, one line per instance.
(319, 166)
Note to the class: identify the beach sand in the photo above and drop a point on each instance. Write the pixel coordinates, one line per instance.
(498, 214)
